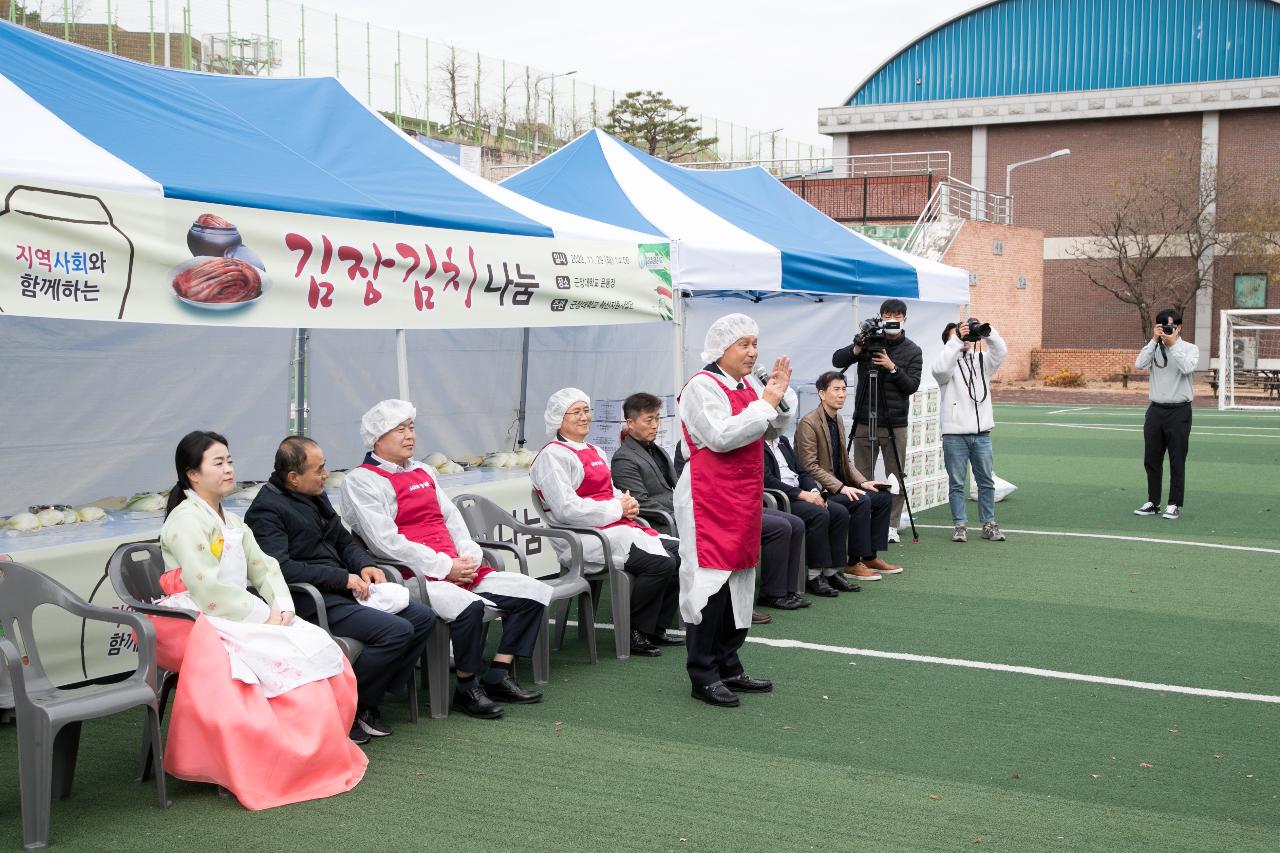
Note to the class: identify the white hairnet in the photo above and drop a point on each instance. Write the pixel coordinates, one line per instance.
(559, 403)
(383, 418)
(724, 332)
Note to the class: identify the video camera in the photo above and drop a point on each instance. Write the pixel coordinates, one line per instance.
(874, 334)
(977, 330)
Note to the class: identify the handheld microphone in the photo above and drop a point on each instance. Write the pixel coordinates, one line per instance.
(764, 380)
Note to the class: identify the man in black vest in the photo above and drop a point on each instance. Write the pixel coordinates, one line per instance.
(293, 521)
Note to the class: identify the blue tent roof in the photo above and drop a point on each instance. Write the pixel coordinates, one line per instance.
(744, 216)
(302, 145)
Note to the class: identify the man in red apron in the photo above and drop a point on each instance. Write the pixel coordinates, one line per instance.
(725, 415)
(400, 511)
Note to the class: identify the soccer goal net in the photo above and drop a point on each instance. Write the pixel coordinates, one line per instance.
(1249, 359)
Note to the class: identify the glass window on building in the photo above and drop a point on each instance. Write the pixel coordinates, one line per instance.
(1251, 290)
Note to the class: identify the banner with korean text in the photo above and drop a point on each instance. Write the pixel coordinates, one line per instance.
(98, 255)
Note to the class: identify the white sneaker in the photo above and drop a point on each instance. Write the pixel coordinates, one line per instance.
(1147, 508)
(893, 535)
(1171, 512)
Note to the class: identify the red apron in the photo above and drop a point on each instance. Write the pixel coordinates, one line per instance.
(419, 518)
(597, 483)
(728, 494)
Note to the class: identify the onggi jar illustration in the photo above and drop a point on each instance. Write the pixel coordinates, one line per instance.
(61, 255)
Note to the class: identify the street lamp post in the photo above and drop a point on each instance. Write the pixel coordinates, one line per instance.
(1008, 175)
(537, 82)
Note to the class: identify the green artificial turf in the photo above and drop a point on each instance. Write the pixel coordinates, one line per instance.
(855, 752)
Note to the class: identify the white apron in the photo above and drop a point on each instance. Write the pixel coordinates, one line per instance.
(276, 657)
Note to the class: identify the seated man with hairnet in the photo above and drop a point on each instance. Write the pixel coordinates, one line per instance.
(572, 477)
(396, 506)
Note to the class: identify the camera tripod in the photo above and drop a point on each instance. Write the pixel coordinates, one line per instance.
(873, 435)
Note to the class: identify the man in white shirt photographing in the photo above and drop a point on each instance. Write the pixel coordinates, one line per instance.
(1167, 429)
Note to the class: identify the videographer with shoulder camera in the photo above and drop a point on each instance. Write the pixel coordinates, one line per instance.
(1172, 362)
(963, 372)
(882, 345)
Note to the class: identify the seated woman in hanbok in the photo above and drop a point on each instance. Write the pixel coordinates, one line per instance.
(264, 701)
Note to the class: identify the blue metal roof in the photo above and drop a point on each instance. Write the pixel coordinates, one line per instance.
(1028, 47)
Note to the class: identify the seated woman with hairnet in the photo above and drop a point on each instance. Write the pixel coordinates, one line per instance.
(398, 508)
(573, 479)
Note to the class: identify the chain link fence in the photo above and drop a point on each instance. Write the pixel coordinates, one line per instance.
(516, 113)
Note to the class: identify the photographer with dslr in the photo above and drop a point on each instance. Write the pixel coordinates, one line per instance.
(964, 372)
(1172, 362)
(882, 345)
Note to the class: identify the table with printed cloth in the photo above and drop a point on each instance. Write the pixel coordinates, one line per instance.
(74, 650)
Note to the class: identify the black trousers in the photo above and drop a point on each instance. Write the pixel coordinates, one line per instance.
(655, 587)
(1166, 429)
(393, 642)
(869, 518)
(826, 534)
(781, 538)
(713, 644)
(521, 620)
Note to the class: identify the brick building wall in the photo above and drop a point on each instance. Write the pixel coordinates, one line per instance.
(996, 298)
(1095, 364)
(1055, 197)
(956, 140)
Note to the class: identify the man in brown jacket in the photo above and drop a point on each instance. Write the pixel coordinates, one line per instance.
(820, 444)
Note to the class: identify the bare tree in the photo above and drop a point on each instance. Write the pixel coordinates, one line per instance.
(1153, 240)
(457, 77)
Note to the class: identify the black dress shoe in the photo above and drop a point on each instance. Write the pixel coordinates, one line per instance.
(746, 684)
(641, 646)
(758, 618)
(358, 736)
(507, 690)
(716, 694)
(664, 639)
(800, 601)
(781, 602)
(819, 586)
(838, 582)
(474, 702)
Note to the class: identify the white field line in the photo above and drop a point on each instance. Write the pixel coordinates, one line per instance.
(1194, 430)
(1137, 423)
(1152, 540)
(907, 657)
(1066, 411)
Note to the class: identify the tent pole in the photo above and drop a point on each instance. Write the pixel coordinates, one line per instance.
(524, 389)
(677, 337)
(402, 364)
(300, 416)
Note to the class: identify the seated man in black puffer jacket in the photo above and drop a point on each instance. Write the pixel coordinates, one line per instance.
(900, 363)
(294, 522)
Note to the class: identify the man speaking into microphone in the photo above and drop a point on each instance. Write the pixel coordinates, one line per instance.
(725, 415)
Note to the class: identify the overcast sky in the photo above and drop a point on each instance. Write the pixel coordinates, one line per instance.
(763, 64)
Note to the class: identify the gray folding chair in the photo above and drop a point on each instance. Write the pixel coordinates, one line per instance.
(619, 580)
(134, 570)
(655, 516)
(49, 717)
(435, 658)
(486, 520)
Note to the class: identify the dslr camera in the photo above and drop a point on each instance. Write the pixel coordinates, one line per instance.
(874, 333)
(977, 330)
(1167, 328)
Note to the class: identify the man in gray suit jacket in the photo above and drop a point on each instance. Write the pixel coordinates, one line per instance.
(640, 466)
